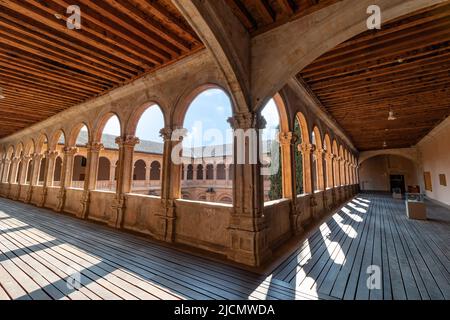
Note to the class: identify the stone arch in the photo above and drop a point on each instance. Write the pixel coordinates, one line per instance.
(57, 173)
(75, 132)
(221, 173)
(409, 153)
(155, 171)
(281, 53)
(342, 165)
(303, 127)
(336, 168)
(18, 149)
(184, 102)
(133, 120)
(209, 172)
(302, 155)
(225, 199)
(328, 166)
(200, 172)
(79, 168)
(318, 178)
(42, 143)
(101, 123)
(190, 172)
(55, 137)
(29, 147)
(104, 169)
(139, 170)
(19, 152)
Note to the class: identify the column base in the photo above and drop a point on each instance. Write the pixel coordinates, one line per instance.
(249, 247)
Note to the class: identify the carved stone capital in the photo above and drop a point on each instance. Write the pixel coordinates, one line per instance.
(246, 121)
(26, 158)
(166, 133)
(306, 148)
(127, 141)
(95, 146)
(15, 160)
(51, 154)
(70, 151)
(287, 138)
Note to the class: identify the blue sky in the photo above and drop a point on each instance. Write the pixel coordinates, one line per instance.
(206, 121)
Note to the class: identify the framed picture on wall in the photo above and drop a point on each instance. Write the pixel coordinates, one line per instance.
(428, 184)
(443, 180)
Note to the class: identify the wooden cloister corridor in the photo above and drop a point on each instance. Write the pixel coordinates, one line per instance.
(41, 250)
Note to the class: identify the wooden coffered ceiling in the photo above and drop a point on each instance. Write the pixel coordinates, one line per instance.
(404, 67)
(262, 15)
(46, 68)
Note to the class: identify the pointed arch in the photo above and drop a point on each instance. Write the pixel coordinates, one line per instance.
(302, 155)
(101, 124)
(58, 137)
(76, 132)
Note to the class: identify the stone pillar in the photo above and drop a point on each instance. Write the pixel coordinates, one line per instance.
(48, 174)
(90, 183)
(23, 174)
(12, 178)
(14, 163)
(67, 175)
(287, 143)
(306, 151)
(248, 226)
(342, 171)
(2, 166)
(170, 183)
(330, 170)
(320, 163)
(50, 168)
(124, 178)
(6, 165)
(34, 163)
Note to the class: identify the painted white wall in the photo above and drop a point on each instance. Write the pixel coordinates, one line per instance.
(435, 154)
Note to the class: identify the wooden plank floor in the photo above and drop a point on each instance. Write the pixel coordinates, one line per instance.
(372, 230)
(42, 252)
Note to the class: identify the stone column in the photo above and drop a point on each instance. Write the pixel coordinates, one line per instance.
(14, 164)
(6, 165)
(342, 171)
(112, 172)
(48, 174)
(170, 183)
(306, 150)
(2, 165)
(67, 175)
(34, 163)
(320, 162)
(12, 178)
(90, 183)
(248, 226)
(330, 170)
(124, 178)
(50, 168)
(287, 143)
(23, 174)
